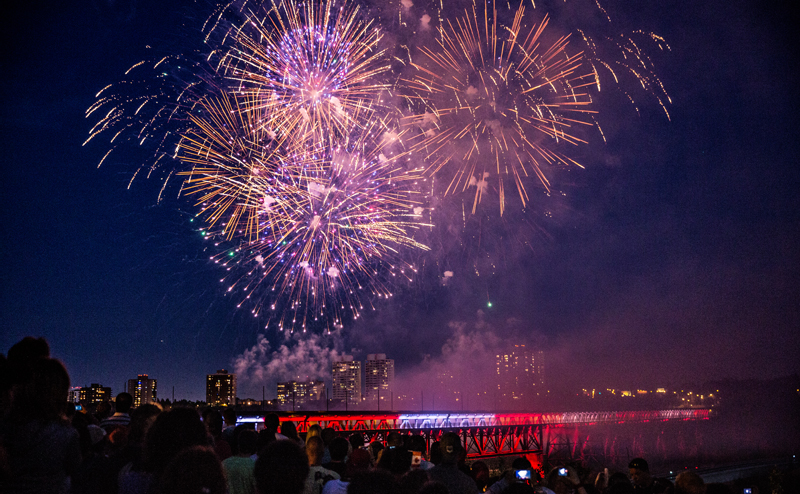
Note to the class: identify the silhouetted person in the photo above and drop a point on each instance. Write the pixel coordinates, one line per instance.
(480, 474)
(375, 449)
(374, 482)
(289, 430)
(396, 460)
(239, 468)
(356, 440)
(229, 415)
(394, 440)
(281, 468)
(447, 472)
(194, 470)
(357, 464)
(172, 432)
(26, 351)
(95, 475)
(318, 475)
(102, 411)
(270, 431)
(213, 422)
(564, 484)
(121, 417)
(327, 434)
(618, 483)
(131, 456)
(412, 481)
(43, 449)
(338, 453)
(643, 482)
(509, 477)
(689, 483)
(16, 366)
(417, 443)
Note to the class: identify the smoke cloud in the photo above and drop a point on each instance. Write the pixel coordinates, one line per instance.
(464, 373)
(300, 357)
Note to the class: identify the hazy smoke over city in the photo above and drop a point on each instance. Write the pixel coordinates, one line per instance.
(460, 372)
(299, 357)
(463, 373)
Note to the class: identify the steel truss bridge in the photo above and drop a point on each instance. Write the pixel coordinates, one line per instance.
(539, 436)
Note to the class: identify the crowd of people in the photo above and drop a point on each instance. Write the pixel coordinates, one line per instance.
(47, 446)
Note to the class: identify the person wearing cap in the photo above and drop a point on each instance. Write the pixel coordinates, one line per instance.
(643, 482)
(447, 471)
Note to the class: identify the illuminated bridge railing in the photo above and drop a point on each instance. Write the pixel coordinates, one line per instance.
(357, 421)
(423, 421)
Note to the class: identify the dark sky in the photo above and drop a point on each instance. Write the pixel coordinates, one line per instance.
(672, 258)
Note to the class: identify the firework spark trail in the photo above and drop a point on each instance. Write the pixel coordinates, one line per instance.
(152, 107)
(626, 59)
(311, 65)
(494, 101)
(285, 134)
(230, 153)
(320, 228)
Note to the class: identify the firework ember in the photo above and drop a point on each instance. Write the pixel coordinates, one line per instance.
(310, 65)
(306, 153)
(496, 101)
(318, 231)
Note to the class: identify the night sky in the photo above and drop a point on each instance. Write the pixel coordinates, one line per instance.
(671, 259)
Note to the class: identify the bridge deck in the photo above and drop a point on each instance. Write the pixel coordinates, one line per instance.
(367, 421)
(483, 434)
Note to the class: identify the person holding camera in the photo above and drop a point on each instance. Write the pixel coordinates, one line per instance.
(521, 472)
(565, 480)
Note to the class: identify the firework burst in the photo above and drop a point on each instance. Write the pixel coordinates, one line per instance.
(288, 135)
(229, 154)
(496, 100)
(317, 231)
(311, 65)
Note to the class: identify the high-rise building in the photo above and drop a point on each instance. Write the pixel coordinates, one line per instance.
(74, 395)
(96, 393)
(143, 389)
(346, 376)
(520, 372)
(299, 394)
(221, 389)
(378, 377)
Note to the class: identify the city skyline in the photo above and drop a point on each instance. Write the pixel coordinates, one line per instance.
(669, 259)
(519, 378)
(312, 395)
